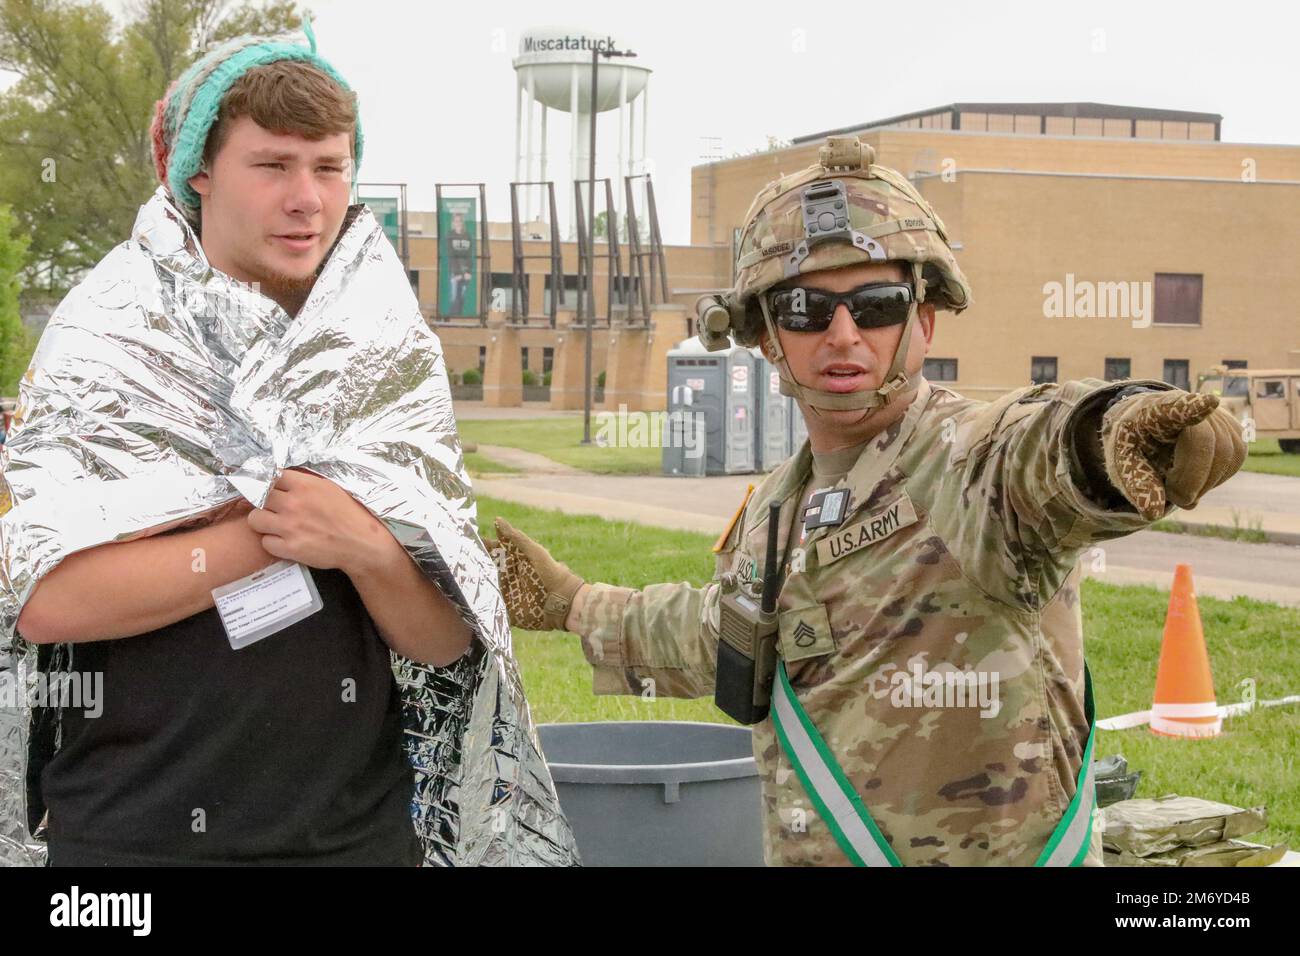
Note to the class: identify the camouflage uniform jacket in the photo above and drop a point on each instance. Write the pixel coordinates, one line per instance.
(958, 556)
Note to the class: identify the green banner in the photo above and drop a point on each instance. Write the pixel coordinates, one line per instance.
(388, 212)
(457, 259)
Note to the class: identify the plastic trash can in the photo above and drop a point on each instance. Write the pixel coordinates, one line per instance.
(658, 793)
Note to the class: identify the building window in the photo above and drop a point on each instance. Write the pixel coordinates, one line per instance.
(1117, 369)
(1176, 373)
(523, 357)
(1233, 363)
(1178, 299)
(548, 359)
(1042, 368)
(482, 358)
(940, 369)
(503, 292)
(633, 293)
(568, 297)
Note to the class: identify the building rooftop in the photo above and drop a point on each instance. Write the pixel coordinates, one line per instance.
(1052, 119)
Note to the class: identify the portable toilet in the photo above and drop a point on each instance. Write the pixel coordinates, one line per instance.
(718, 389)
(684, 433)
(798, 427)
(772, 434)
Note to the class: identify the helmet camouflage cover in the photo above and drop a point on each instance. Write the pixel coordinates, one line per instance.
(842, 210)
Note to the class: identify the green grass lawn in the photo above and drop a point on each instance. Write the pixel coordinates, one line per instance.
(1253, 762)
(479, 464)
(1267, 458)
(1242, 529)
(560, 439)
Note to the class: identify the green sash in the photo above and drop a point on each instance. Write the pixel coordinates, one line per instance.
(843, 811)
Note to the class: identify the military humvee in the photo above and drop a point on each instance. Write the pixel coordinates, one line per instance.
(1268, 396)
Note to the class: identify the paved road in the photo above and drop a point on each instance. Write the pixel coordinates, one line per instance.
(527, 461)
(1269, 572)
(1248, 491)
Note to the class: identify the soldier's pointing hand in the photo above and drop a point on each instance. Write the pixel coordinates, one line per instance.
(1169, 446)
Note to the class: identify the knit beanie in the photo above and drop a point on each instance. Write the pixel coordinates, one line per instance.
(185, 114)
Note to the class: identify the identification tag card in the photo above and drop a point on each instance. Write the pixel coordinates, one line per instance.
(265, 602)
(826, 509)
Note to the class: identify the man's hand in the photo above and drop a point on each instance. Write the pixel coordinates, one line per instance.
(537, 589)
(313, 521)
(1169, 446)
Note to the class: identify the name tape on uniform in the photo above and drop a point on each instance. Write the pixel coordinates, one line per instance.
(265, 602)
(875, 527)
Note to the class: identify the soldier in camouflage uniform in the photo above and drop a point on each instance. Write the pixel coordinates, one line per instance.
(931, 629)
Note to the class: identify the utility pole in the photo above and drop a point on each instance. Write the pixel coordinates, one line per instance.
(596, 54)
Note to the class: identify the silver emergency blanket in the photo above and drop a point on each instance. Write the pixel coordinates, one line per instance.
(162, 390)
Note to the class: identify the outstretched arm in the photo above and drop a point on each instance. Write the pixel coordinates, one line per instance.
(1047, 471)
(660, 640)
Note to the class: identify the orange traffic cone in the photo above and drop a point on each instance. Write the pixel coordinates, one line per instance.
(1184, 703)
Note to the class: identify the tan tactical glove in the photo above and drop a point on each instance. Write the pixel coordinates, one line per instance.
(538, 590)
(1170, 445)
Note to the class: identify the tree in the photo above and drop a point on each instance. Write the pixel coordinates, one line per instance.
(15, 343)
(600, 226)
(75, 156)
(774, 144)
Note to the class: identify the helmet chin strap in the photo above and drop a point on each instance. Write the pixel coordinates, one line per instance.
(896, 384)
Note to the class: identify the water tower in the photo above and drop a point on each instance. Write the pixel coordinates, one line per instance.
(553, 70)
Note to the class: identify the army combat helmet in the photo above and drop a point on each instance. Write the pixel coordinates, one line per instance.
(841, 210)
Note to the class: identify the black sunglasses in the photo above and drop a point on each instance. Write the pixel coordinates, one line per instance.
(873, 306)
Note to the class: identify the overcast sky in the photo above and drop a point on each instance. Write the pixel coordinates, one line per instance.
(437, 88)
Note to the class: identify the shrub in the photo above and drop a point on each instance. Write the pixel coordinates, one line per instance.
(471, 376)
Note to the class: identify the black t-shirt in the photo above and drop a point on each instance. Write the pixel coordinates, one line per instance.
(460, 253)
(205, 754)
